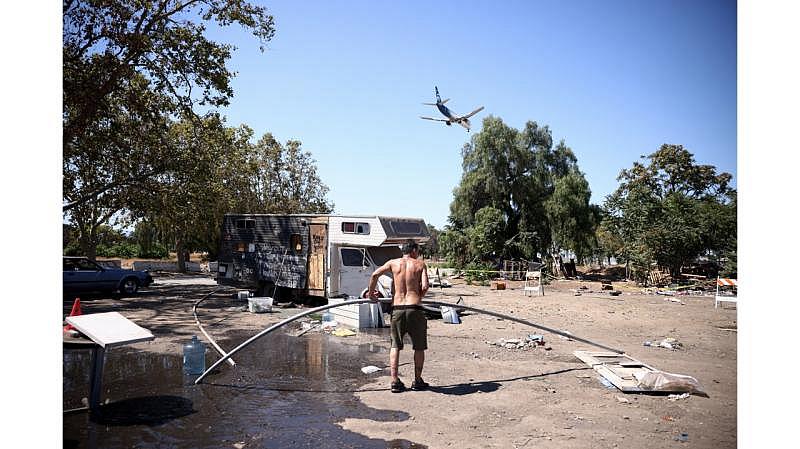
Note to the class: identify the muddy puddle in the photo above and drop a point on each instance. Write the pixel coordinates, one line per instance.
(285, 392)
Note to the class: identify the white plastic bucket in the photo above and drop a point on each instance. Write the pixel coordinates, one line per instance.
(259, 304)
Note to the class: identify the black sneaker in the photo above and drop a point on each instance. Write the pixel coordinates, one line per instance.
(419, 384)
(398, 387)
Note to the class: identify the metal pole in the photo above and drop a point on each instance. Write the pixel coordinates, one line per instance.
(196, 320)
(361, 301)
(525, 322)
(96, 376)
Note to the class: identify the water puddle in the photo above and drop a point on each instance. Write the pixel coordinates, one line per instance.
(284, 392)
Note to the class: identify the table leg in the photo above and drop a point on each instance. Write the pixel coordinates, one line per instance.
(96, 376)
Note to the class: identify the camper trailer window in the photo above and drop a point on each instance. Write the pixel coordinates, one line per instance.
(406, 227)
(296, 242)
(240, 247)
(352, 257)
(348, 227)
(245, 224)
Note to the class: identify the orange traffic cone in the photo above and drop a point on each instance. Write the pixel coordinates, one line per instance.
(76, 310)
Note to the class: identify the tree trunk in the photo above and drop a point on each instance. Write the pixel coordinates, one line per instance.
(88, 243)
(181, 253)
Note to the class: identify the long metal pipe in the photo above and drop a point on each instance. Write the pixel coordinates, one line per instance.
(197, 321)
(362, 301)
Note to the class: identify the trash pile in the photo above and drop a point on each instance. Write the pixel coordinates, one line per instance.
(529, 342)
(327, 325)
(667, 343)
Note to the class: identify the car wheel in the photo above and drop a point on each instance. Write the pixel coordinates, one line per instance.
(129, 286)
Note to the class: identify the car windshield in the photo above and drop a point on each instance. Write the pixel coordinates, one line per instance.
(80, 265)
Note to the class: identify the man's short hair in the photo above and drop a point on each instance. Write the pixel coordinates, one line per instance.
(409, 246)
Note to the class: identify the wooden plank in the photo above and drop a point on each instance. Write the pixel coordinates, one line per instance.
(316, 262)
(619, 369)
(110, 329)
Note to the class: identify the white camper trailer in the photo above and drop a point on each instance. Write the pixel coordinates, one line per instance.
(313, 255)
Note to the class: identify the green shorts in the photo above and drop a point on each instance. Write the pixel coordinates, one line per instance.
(409, 320)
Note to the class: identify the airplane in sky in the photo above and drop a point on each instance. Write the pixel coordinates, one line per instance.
(452, 117)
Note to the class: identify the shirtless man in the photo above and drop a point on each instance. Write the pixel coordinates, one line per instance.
(410, 285)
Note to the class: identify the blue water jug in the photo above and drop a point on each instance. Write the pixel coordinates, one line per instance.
(194, 356)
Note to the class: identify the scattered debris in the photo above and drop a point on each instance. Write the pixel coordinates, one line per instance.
(343, 333)
(623, 400)
(307, 327)
(329, 324)
(531, 341)
(450, 315)
(684, 437)
(663, 381)
(239, 445)
(370, 369)
(675, 397)
(538, 339)
(667, 343)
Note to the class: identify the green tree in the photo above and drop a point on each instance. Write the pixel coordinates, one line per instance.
(223, 172)
(672, 210)
(130, 65)
(572, 219)
(486, 235)
(283, 179)
(185, 205)
(524, 179)
(431, 249)
(453, 245)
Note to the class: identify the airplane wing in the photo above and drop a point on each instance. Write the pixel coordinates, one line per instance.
(472, 113)
(431, 118)
(429, 104)
(445, 100)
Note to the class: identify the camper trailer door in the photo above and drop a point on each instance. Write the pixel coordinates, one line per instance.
(354, 270)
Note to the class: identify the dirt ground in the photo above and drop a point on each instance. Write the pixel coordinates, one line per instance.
(488, 396)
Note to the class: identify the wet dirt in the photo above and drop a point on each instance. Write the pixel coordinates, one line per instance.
(285, 391)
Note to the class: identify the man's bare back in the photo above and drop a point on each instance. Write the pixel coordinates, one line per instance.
(410, 280)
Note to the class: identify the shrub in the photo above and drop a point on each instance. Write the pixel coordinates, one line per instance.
(477, 272)
(155, 251)
(123, 250)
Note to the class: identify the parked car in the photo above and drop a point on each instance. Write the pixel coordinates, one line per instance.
(82, 275)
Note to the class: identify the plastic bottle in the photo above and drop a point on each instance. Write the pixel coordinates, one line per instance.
(327, 316)
(194, 356)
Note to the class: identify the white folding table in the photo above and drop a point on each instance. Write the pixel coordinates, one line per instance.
(106, 330)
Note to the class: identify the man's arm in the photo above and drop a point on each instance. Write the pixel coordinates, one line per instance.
(425, 285)
(373, 280)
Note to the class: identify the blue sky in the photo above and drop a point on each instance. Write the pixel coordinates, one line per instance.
(614, 79)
